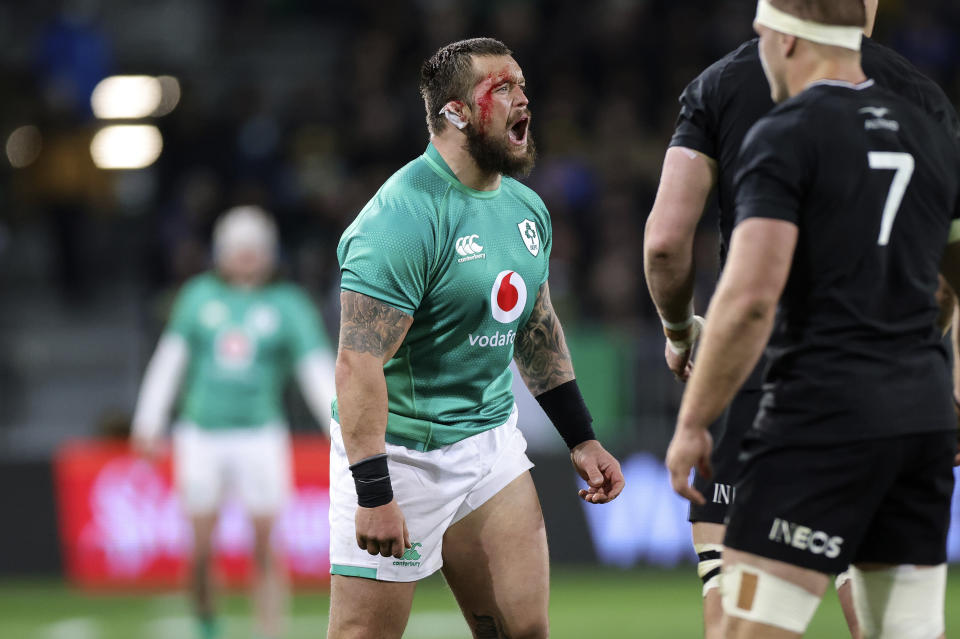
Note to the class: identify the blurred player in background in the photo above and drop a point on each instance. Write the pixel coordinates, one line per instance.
(444, 281)
(717, 110)
(846, 194)
(233, 339)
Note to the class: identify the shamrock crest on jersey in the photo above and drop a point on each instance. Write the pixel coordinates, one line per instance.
(528, 231)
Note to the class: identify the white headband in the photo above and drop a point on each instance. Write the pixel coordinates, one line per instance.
(846, 37)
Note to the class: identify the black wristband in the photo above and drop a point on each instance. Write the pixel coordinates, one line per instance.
(565, 407)
(372, 479)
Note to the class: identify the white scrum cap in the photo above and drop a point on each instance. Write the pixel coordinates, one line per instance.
(245, 227)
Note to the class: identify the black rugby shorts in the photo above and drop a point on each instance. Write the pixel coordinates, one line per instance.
(824, 507)
(727, 432)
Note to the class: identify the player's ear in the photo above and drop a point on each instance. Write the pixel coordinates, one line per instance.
(457, 113)
(788, 44)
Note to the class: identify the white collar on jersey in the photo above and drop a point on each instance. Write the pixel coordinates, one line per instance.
(866, 84)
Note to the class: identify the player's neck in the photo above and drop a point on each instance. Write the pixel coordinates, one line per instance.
(827, 69)
(453, 150)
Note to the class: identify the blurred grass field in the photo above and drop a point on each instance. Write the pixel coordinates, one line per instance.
(585, 604)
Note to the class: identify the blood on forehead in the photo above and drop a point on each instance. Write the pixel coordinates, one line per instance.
(483, 92)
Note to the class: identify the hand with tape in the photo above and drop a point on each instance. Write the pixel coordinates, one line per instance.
(679, 347)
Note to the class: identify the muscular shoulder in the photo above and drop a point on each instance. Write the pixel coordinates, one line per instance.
(525, 195)
(406, 206)
(411, 194)
(895, 73)
(720, 82)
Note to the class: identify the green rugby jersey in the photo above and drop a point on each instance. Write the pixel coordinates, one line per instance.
(467, 265)
(243, 346)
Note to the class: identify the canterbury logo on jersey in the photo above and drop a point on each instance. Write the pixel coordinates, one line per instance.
(468, 247)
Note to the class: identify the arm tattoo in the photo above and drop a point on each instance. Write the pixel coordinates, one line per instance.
(487, 627)
(370, 326)
(540, 349)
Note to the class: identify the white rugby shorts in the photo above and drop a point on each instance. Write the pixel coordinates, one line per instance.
(434, 489)
(252, 464)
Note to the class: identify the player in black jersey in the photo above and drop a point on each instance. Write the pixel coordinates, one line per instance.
(845, 195)
(717, 110)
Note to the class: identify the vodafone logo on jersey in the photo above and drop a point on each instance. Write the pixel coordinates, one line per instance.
(508, 297)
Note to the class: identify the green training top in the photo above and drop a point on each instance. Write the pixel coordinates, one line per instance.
(243, 344)
(467, 265)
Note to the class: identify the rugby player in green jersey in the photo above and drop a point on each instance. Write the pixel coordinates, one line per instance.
(232, 341)
(443, 283)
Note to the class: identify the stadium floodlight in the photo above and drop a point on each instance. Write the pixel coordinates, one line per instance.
(169, 95)
(126, 146)
(126, 97)
(23, 146)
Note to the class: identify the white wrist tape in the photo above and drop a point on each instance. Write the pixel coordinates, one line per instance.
(681, 346)
(834, 35)
(678, 326)
(755, 595)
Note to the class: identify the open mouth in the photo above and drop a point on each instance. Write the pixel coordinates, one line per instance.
(518, 132)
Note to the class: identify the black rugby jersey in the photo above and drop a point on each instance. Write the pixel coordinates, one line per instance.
(722, 103)
(872, 183)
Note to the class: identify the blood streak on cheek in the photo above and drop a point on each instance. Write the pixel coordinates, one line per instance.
(483, 97)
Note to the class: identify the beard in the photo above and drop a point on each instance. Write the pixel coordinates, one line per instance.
(496, 154)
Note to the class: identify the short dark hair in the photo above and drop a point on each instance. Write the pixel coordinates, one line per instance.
(448, 75)
(843, 13)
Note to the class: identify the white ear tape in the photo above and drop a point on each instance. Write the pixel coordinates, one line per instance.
(454, 119)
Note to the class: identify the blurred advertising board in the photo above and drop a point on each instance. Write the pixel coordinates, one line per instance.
(121, 524)
(647, 524)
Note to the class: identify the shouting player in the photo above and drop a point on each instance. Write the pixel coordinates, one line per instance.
(233, 339)
(444, 281)
(845, 197)
(717, 110)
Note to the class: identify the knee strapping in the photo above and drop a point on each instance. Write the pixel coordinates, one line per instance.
(902, 602)
(755, 595)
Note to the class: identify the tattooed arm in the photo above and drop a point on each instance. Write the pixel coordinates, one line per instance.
(370, 334)
(543, 359)
(540, 350)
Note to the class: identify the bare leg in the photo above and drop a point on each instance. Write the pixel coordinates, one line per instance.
(269, 581)
(845, 595)
(201, 571)
(710, 533)
(368, 609)
(495, 560)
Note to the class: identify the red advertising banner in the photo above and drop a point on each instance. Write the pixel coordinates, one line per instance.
(121, 523)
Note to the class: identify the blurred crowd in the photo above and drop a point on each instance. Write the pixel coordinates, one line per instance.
(328, 107)
(306, 107)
